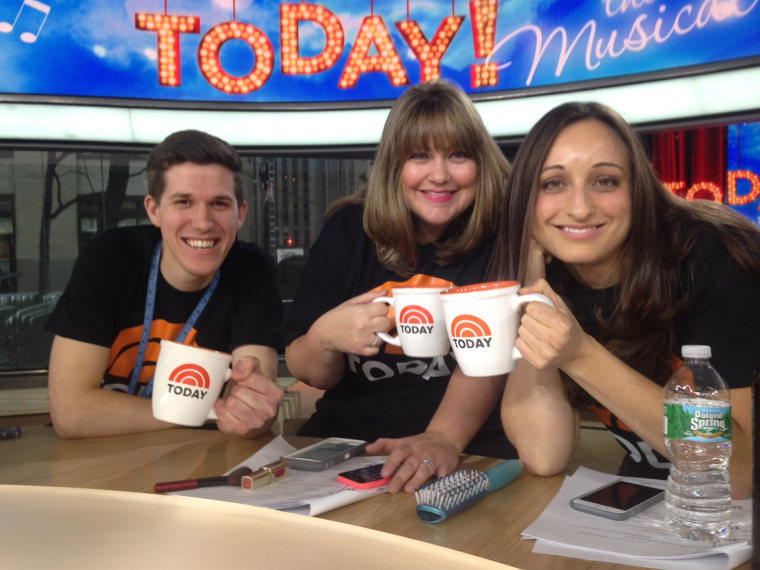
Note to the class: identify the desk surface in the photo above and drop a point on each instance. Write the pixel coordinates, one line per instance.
(91, 529)
(490, 529)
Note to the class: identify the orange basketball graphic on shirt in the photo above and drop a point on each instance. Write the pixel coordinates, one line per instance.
(468, 326)
(191, 375)
(415, 314)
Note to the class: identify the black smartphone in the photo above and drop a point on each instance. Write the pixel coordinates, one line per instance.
(618, 500)
(366, 477)
(10, 432)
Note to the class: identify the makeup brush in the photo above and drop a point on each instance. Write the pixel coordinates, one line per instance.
(448, 495)
(233, 478)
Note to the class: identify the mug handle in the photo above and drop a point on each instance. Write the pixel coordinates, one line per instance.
(211, 413)
(518, 300)
(394, 340)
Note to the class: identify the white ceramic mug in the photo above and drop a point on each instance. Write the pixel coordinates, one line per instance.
(419, 321)
(482, 322)
(187, 383)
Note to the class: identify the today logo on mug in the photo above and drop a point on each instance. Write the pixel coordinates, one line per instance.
(419, 321)
(482, 321)
(187, 381)
(415, 319)
(470, 331)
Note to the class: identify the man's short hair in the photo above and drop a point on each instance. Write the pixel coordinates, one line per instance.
(196, 147)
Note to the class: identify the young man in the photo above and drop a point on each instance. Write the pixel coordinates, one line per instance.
(190, 280)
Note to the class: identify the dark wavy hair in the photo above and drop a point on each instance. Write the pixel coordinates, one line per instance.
(193, 146)
(664, 229)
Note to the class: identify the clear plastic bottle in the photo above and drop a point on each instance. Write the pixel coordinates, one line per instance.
(698, 438)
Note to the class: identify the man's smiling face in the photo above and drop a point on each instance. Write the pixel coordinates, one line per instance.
(199, 218)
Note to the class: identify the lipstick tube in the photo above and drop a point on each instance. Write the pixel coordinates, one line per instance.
(265, 475)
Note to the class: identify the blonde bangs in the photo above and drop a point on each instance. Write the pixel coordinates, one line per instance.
(439, 123)
(433, 116)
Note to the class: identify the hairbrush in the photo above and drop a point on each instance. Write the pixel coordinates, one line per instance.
(440, 499)
(232, 478)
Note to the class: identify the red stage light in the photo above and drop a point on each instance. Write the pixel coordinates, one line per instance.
(290, 17)
(751, 196)
(483, 14)
(211, 68)
(373, 30)
(430, 54)
(168, 29)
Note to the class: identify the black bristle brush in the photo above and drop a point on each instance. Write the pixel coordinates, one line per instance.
(440, 499)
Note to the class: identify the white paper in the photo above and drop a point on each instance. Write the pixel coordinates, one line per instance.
(705, 562)
(642, 540)
(303, 492)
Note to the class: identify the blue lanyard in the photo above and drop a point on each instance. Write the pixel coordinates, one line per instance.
(150, 304)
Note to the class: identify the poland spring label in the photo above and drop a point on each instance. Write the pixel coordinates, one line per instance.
(698, 423)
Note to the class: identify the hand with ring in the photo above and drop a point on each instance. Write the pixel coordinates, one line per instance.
(413, 460)
(351, 327)
(430, 462)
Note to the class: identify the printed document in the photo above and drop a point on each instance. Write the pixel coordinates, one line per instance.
(642, 540)
(303, 492)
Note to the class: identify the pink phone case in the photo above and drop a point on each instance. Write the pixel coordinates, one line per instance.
(345, 478)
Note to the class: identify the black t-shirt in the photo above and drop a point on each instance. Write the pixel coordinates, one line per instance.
(390, 394)
(724, 313)
(104, 303)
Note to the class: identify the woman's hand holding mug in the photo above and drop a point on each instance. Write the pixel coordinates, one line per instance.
(482, 321)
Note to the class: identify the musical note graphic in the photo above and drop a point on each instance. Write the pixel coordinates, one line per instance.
(28, 37)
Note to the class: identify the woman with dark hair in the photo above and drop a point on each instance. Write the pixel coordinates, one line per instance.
(635, 272)
(427, 218)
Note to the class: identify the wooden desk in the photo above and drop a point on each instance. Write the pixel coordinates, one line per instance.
(490, 529)
(91, 529)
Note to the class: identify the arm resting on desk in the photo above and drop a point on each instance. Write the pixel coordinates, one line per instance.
(78, 405)
(539, 420)
(544, 428)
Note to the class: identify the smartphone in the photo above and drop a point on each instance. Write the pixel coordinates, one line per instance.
(366, 477)
(618, 500)
(10, 432)
(326, 453)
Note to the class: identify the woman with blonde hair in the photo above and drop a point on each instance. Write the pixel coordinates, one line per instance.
(427, 217)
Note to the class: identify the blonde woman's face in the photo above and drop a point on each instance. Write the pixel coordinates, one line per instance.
(438, 185)
(583, 203)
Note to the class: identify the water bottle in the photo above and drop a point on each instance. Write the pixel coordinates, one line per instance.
(698, 438)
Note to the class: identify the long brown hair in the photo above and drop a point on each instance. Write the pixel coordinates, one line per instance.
(664, 228)
(434, 113)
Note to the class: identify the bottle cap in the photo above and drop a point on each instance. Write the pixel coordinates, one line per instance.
(696, 351)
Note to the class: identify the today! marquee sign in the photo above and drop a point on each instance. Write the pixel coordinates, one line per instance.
(343, 52)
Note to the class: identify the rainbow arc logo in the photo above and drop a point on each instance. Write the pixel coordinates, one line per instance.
(464, 326)
(470, 331)
(414, 319)
(415, 314)
(191, 375)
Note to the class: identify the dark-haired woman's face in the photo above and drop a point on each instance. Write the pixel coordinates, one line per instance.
(439, 185)
(583, 202)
